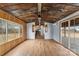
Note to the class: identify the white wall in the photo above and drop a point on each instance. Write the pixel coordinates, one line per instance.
(56, 32)
(52, 33)
(49, 33)
(30, 34)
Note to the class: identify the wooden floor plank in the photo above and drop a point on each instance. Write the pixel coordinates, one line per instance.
(40, 47)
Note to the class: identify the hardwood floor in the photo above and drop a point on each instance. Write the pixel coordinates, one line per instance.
(40, 47)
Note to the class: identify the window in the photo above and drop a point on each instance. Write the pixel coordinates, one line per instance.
(70, 34)
(13, 31)
(64, 32)
(75, 38)
(2, 31)
(9, 31)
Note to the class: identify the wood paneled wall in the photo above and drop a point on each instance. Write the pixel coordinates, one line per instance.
(4, 48)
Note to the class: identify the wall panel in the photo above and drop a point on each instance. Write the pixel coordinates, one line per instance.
(11, 44)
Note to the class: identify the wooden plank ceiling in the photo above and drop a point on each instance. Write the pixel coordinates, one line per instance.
(28, 12)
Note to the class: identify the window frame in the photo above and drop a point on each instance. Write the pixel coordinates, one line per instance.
(6, 28)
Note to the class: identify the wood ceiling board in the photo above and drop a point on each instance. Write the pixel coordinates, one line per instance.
(51, 12)
(7, 4)
(57, 11)
(20, 6)
(22, 10)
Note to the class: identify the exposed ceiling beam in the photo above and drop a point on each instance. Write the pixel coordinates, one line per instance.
(39, 13)
(39, 7)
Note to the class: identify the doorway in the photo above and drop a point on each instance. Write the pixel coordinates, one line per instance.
(39, 33)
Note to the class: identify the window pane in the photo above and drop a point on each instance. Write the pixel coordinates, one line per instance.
(62, 31)
(2, 31)
(9, 31)
(72, 34)
(18, 29)
(77, 35)
(13, 31)
(65, 32)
